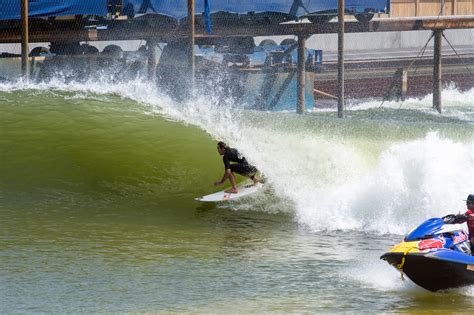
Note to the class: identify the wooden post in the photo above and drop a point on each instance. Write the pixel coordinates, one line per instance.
(438, 36)
(404, 83)
(454, 9)
(25, 71)
(340, 59)
(192, 66)
(417, 7)
(151, 45)
(300, 78)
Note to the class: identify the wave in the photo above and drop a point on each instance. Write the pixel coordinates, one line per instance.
(380, 170)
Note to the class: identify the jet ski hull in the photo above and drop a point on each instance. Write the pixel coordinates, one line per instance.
(436, 255)
(434, 272)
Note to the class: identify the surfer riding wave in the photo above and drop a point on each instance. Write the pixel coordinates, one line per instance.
(239, 166)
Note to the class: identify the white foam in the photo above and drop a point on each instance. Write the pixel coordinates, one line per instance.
(467, 291)
(333, 187)
(377, 274)
(452, 101)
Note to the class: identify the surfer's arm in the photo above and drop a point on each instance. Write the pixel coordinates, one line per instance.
(221, 181)
(227, 174)
(224, 177)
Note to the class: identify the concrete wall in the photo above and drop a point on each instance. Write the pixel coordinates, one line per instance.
(385, 40)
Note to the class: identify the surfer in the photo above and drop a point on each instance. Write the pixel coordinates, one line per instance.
(240, 166)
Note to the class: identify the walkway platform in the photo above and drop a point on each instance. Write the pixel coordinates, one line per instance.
(149, 28)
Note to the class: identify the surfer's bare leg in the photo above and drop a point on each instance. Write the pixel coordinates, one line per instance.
(231, 177)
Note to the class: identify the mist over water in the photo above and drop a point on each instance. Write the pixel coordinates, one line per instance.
(107, 172)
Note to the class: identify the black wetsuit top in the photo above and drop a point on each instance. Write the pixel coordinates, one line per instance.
(240, 166)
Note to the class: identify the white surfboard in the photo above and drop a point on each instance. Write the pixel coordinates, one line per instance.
(244, 189)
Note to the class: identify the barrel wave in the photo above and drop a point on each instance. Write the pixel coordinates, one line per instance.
(103, 144)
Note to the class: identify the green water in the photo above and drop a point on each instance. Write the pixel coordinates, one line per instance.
(97, 212)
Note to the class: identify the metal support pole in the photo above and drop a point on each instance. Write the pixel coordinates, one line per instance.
(340, 59)
(438, 37)
(152, 60)
(25, 71)
(192, 66)
(301, 76)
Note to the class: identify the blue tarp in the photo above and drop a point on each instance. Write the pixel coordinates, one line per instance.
(178, 8)
(10, 9)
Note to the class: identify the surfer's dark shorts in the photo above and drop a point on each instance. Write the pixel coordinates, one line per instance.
(243, 169)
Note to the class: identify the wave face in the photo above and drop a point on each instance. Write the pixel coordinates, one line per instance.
(101, 143)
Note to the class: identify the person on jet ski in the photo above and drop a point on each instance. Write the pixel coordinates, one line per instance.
(470, 217)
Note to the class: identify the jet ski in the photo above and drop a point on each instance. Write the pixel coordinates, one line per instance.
(436, 255)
